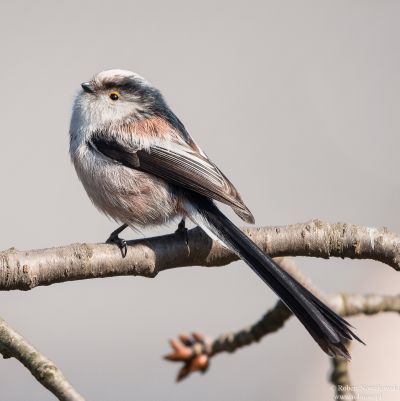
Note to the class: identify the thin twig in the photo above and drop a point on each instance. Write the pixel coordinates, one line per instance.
(340, 378)
(12, 344)
(199, 346)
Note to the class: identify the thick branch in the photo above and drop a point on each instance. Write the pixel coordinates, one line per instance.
(25, 270)
(14, 345)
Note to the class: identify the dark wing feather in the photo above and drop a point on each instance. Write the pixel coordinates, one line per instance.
(180, 165)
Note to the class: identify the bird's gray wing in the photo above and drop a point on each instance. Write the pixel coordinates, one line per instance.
(179, 165)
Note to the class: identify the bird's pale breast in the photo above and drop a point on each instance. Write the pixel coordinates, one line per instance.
(126, 195)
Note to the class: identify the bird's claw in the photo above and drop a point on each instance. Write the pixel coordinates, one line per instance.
(120, 242)
(184, 231)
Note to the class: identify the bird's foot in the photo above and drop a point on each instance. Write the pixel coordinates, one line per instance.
(183, 231)
(120, 242)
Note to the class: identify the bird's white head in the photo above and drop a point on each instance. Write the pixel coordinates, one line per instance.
(115, 96)
(112, 98)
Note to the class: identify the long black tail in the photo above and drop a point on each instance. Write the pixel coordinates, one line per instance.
(328, 329)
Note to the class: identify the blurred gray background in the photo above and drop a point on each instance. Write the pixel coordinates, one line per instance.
(296, 101)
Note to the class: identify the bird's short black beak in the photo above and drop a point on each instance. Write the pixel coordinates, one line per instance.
(87, 87)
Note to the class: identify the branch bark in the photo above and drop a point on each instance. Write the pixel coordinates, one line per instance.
(24, 270)
(14, 345)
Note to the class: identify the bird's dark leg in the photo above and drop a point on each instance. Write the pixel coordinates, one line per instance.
(183, 230)
(114, 239)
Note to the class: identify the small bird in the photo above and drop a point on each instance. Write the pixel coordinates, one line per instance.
(140, 166)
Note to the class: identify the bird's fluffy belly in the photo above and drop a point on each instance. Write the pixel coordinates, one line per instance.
(127, 195)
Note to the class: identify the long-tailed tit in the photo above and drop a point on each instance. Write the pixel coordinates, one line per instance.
(140, 166)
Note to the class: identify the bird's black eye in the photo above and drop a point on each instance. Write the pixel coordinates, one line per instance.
(114, 96)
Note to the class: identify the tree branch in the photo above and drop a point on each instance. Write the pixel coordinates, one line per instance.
(25, 270)
(14, 345)
(340, 378)
(196, 351)
(344, 304)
